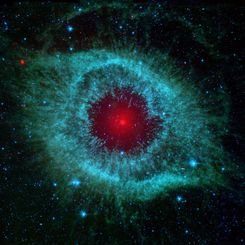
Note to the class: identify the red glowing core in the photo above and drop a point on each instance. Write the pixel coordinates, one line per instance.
(121, 121)
(22, 61)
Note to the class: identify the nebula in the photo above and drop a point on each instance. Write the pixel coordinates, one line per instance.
(61, 96)
(121, 123)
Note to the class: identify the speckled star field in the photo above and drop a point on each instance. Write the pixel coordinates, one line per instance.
(121, 123)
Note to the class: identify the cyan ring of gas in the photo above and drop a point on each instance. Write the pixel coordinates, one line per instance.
(59, 90)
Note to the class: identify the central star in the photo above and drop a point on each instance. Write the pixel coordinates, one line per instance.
(122, 122)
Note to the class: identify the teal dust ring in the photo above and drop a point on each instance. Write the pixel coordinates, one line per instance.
(60, 90)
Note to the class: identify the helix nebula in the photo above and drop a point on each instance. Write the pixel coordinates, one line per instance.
(122, 123)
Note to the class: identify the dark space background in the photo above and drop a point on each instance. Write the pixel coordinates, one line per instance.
(30, 209)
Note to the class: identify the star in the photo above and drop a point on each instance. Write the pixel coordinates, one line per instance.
(179, 198)
(75, 182)
(83, 214)
(193, 163)
(70, 28)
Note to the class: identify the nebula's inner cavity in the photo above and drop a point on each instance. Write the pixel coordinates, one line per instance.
(121, 121)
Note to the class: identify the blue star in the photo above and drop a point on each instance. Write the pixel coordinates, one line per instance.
(5, 25)
(179, 198)
(75, 182)
(70, 28)
(193, 163)
(83, 214)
